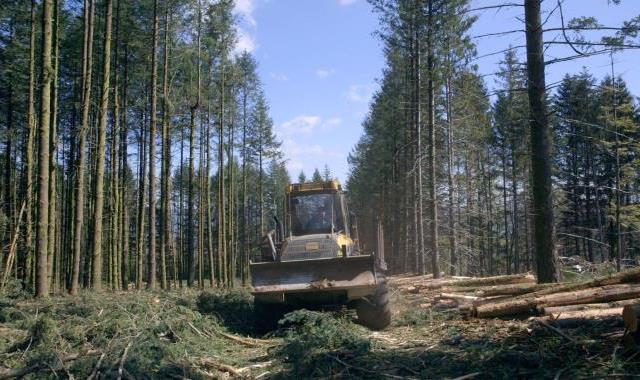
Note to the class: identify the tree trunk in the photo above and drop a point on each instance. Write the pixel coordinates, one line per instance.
(504, 208)
(222, 236)
(453, 249)
(202, 204)
(30, 159)
(630, 315)
(151, 273)
(87, 64)
(142, 158)
(114, 201)
(53, 144)
(541, 147)
(191, 276)
(418, 121)
(42, 231)
(165, 220)
(431, 156)
(101, 150)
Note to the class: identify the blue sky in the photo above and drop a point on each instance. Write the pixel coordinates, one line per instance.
(320, 62)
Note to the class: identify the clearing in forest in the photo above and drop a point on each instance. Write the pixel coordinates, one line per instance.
(184, 334)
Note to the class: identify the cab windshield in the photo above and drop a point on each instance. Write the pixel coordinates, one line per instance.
(315, 214)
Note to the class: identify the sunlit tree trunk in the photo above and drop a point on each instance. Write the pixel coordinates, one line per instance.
(30, 156)
(87, 64)
(42, 231)
(165, 220)
(100, 152)
(151, 273)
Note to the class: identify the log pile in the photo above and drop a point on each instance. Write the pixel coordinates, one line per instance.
(520, 296)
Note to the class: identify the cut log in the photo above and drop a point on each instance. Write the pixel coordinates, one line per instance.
(554, 310)
(498, 290)
(606, 293)
(445, 304)
(572, 319)
(548, 310)
(458, 297)
(588, 314)
(408, 279)
(497, 280)
(628, 276)
(486, 300)
(631, 301)
(411, 284)
(528, 305)
(411, 289)
(630, 314)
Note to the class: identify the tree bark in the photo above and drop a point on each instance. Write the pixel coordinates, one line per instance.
(165, 220)
(431, 154)
(151, 273)
(30, 158)
(87, 64)
(631, 314)
(98, 188)
(42, 231)
(530, 303)
(192, 262)
(541, 147)
(53, 144)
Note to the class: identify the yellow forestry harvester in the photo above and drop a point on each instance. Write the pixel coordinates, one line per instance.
(313, 259)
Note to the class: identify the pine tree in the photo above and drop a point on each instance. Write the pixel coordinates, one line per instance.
(316, 177)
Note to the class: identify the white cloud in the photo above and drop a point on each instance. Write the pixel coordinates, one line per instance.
(307, 124)
(333, 122)
(360, 93)
(305, 142)
(302, 124)
(323, 73)
(246, 42)
(346, 2)
(245, 9)
(278, 76)
(247, 26)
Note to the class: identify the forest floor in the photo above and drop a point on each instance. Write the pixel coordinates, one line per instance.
(189, 334)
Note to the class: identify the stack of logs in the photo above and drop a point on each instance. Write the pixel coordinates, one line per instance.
(519, 295)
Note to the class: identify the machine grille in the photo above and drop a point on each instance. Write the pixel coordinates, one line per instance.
(310, 247)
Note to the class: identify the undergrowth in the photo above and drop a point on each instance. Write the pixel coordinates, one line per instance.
(233, 308)
(188, 334)
(163, 334)
(314, 342)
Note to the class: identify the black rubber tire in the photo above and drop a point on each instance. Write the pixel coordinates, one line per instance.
(374, 312)
(266, 316)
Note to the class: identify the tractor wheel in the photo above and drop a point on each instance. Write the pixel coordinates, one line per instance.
(266, 315)
(374, 311)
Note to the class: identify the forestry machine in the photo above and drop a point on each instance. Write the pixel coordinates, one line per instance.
(313, 259)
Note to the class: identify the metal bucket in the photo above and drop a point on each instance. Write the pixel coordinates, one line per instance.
(325, 274)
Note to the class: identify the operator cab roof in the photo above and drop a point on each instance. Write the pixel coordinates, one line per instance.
(314, 187)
